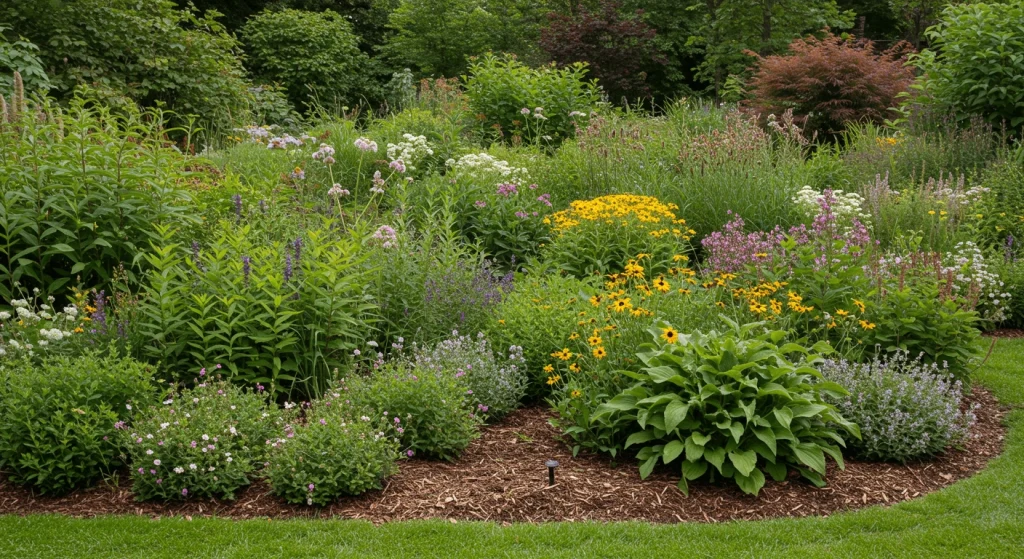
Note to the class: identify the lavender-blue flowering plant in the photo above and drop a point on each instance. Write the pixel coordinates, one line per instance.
(906, 409)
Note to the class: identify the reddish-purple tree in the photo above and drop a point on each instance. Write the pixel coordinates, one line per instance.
(619, 48)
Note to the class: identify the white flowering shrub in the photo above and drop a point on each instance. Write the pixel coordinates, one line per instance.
(844, 206)
(203, 442)
(975, 281)
(486, 167)
(334, 452)
(411, 152)
(35, 328)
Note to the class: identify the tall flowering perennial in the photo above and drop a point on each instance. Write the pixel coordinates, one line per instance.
(845, 206)
(386, 236)
(410, 152)
(656, 217)
(483, 166)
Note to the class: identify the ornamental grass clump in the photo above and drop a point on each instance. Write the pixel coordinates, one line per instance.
(335, 452)
(200, 442)
(58, 417)
(733, 404)
(906, 409)
(497, 381)
(598, 236)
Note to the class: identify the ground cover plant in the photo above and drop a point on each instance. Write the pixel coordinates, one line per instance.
(354, 290)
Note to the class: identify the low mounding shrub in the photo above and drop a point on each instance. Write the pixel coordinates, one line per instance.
(333, 453)
(730, 404)
(58, 418)
(905, 409)
(516, 103)
(312, 53)
(830, 82)
(496, 383)
(973, 64)
(434, 410)
(600, 236)
(200, 442)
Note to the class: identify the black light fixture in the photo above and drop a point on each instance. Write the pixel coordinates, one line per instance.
(551, 464)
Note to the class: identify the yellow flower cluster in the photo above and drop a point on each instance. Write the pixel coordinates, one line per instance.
(623, 209)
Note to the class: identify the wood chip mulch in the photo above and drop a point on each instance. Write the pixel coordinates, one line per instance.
(1004, 333)
(501, 477)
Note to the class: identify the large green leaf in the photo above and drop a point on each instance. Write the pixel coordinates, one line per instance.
(745, 461)
(810, 455)
(672, 451)
(675, 412)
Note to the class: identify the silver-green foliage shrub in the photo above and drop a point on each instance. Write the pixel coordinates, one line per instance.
(733, 404)
(905, 408)
(200, 442)
(58, 417)
(335, 452)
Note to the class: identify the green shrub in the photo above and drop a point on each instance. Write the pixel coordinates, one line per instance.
(82, 190)
(730, 404)
(21, 57)
(1010, 269)
(333, 453)
(906, 410)
(313, 53)
(515, 103)
(434, 410)
(283, 313)
(59, 418)
(973, 65)
(150, 52)
(200, 442)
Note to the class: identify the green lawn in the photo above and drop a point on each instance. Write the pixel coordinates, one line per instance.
(980, 517)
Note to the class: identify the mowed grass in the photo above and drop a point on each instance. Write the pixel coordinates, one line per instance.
(979, 517)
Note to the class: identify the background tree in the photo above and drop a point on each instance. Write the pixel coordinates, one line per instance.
(619, 49)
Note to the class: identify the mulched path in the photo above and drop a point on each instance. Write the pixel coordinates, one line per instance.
(501, 477)
(1004, 333)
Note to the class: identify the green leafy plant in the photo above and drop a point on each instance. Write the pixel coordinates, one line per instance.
(82, 189)
(200, 442)
(59, 417)
(334, 453)
(516, 103)
(312, 53)
(282, 314)
(733, 404)
(435, 411)
(973, 64)
(20, 57)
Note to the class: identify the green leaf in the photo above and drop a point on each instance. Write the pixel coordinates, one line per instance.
(715, 456)
(807, 410)
(648, 466)
(784, 416)
(693, 470)
(672, 451)
(637, 438)
(750, 484)
(675, 412)
(745, 461)
(810, 455)
(777, 470)
(694, 451)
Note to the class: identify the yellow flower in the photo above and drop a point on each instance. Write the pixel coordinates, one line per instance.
(680, 258)
(595, 300)
(720, 304)
(501, 321)
(979, 216)
(575, 394)
(776, 306)
(669, 334)
(622, 305)
(685, 291)
(574, 336)
(756, 307)
(931, 212)
(859, 304)
(548, 368)
(554, 379)
(599, 352)
(594, 340)
(564, 355)
(842, 312)
(575, 367)
(661, 285)
(832, 324)
(78, 330)
(867, 325)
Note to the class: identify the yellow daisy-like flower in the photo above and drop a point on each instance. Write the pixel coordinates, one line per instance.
(859, 305)
(670, 335)
(776, 306)
(661, 285)
(552, 380)
(622, 305)
(685, 291)
(599, 352)
(595, 340)
(574, 336)
(575, 394)
(680, 258)
(549, 368)
(720, 304)
(832, 324)
(757, 307)
(595, 300)
(78, 330)
(575, 367)
(564, 355)
(931, 212)
(842, 312)
(867, 325)
(501, 321)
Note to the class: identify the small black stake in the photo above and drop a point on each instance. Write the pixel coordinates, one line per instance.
(551, 464)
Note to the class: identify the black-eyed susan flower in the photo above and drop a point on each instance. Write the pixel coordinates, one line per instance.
(669, 334)
(599, 352)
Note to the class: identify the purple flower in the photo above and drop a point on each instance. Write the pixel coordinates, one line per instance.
(246, 270)
(237, 199)
(544, 199)
(311, 487)
(480, 204)
(409, 453)
(287, 267)
(297, 245)
(398, 165)
(522, 215)
(507, 189)
(184, 492)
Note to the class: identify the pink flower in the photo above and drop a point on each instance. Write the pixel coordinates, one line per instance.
(409, 453)
(184, 492)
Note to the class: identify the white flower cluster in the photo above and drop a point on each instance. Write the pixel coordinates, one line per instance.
(257, 134)
(410, 152)
(845, 205)
(972, 278)
(483, 166)
(35, 326)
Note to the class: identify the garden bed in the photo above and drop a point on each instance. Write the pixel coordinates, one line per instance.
(501, 477)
